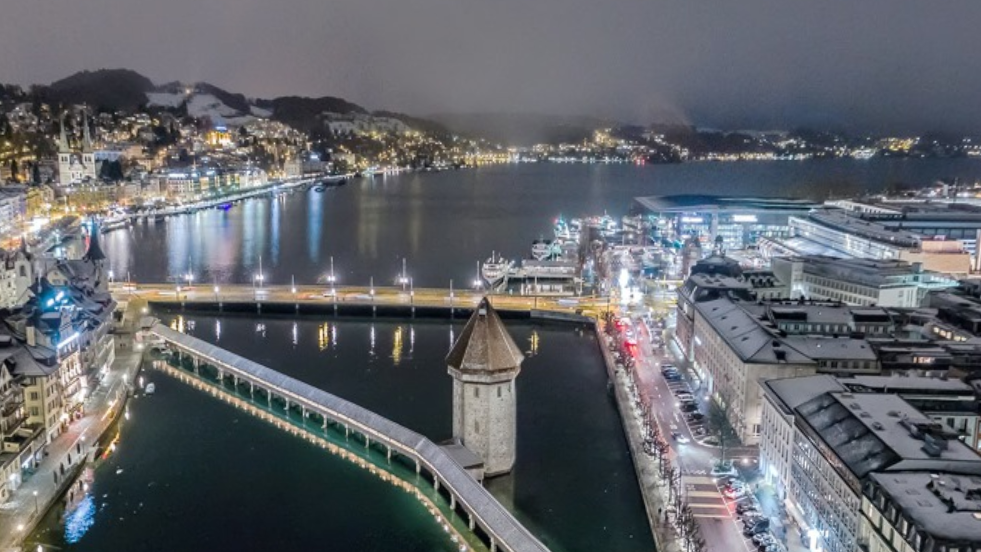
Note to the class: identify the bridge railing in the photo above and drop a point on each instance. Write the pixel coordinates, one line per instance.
(493, 518)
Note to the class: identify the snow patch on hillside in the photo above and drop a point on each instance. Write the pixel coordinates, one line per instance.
(165, 99)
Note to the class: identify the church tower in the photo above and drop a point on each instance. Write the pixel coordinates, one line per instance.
(484, 363)
(75, 164)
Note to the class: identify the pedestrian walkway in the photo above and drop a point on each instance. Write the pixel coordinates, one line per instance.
(704, 497)
(781, 524)
(22, 512)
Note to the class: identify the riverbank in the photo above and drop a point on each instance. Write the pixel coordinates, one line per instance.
(655, 503)
(65, 455)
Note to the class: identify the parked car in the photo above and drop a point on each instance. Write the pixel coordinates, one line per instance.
(747, 506)
(680, 438)
(697, 416)
(689, 407)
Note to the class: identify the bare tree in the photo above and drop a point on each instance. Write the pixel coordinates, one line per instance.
(719, 424)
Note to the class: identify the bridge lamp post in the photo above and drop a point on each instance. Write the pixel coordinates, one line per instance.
(217, 297)
(36, 507)
(477, 283)
(332, 280)
(412, 293)
(371, 288)
(110, 275)
(404, 277)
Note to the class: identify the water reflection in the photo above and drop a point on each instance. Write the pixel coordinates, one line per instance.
(533, 343)
(397, 346)
(371, 348)
(79, 520)
(315, 210)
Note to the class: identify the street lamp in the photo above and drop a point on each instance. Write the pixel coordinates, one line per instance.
(217, 290)
(371, 289)
(35, 504)
(477, 282)
(403, 278)
(332, 279)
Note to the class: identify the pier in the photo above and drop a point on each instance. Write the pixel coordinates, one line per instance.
(466, 495)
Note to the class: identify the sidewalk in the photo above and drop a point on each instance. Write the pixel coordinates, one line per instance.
(67, 451)
(652, 490)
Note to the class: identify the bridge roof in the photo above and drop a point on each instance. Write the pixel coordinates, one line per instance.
(492, 515)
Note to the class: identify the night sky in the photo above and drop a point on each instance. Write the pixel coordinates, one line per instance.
(883, 65)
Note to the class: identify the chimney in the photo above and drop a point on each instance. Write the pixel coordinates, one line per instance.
(31, 336)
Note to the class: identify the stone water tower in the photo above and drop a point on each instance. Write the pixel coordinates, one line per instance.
(484, 364)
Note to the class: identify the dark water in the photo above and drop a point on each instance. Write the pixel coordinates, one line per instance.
(573, 484)
(443, 223)
(197, 474)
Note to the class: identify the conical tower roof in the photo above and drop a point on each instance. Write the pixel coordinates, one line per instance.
(94, 252)
(485, 344)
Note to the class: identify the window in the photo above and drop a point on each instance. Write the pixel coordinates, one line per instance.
(476, 391)
(34, 395)
(34, 411)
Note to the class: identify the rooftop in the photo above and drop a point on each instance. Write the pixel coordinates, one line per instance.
(878, 432)
(485, 344)
(699, 202)
(899, 383)
(841, 221)
(944, 505)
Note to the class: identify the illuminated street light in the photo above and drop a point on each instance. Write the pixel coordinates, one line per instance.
(36, 508)
(404, 277)
(478, 283)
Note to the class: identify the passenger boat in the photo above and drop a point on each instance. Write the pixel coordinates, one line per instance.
(495, 268)
(541, 249)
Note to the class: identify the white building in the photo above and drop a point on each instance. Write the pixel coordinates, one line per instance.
(13, 209)
(849, 236)
(886, 283)
(484, 363)
(921, 512)
(16, 276)
(835, 441)
(736, 344)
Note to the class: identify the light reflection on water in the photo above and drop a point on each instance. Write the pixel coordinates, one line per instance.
(79, 520)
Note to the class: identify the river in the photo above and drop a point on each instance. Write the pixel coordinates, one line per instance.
(444, 223)
(197, 474)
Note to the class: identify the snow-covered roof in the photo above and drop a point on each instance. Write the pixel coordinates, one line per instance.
(954, 517)
(870, 432)
(908, 383)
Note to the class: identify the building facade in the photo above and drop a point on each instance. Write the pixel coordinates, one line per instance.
(886, 283)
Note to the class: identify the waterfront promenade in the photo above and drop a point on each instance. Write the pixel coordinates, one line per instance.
(28, 503)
